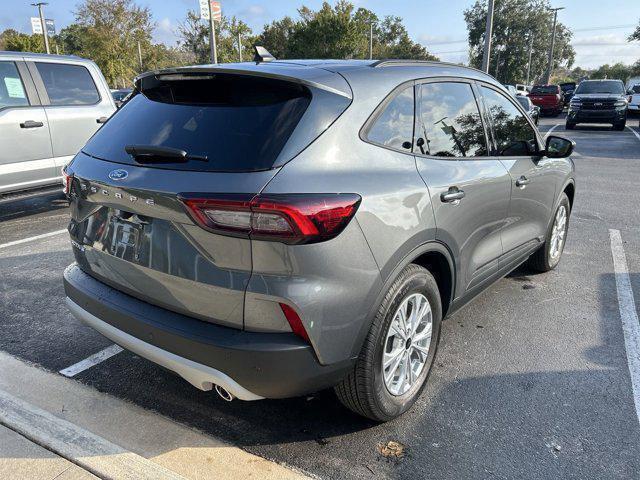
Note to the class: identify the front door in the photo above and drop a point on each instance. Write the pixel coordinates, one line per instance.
(469, 190)
(25, 146)
(533, 184)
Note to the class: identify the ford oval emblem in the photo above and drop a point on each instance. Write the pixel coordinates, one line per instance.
(119, 174)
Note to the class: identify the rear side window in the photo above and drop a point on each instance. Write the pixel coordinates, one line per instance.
(12, 93)
(223, 122)
(394, 126)
(68, 84)
(513, 134)
(449, 121)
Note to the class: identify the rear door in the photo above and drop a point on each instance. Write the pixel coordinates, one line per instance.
(26, 155)
(533, 182)
(75, 103)
(469, 190)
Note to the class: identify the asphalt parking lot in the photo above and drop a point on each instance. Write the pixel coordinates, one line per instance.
(531, 380)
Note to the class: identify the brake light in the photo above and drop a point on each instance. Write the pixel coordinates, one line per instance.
(294, 322)
(288, 218)
(67, 179)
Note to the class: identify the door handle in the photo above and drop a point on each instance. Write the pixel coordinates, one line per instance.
(453, 195)
(102, 120)
(31, 124)
(522, 181)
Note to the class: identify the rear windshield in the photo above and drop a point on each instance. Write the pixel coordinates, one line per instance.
(544, 89)
(636, 89)
(601, 86)
(223, 122)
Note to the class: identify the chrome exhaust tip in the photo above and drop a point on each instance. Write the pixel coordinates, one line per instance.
(226, 395)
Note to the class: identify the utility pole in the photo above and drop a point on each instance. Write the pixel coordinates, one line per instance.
(44, 26)
(239, 47)
(497, 63)
(487, 38)
(140, 55)
(371, 40)
(529, 63)
(547, 76)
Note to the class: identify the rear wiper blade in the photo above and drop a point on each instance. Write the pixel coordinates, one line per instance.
(157, 154)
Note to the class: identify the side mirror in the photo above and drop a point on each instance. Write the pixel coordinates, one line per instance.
(558, 147)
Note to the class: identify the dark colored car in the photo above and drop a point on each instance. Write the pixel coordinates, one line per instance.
(549, 98)
(272, 229)
(530, 108)
(568, 88)
(120, 96)
(599, 101)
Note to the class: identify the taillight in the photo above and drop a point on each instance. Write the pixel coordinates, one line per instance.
(67, 179)
(288, 218)
(294, 321)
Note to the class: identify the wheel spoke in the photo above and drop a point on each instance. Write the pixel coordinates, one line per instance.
(423, 334)
(391, 373)
(392, 356)
(421, 349)
(397, 330)
(411, 372)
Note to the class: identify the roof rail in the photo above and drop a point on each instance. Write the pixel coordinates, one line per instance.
(399, 61)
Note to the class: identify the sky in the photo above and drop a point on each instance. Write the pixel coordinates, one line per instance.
(600, 27)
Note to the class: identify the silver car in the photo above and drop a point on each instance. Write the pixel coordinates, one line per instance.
(271, 229)
(49, 107)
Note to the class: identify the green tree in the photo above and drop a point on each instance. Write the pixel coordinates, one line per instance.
(636, 34)
(275, 36)
(22, 42)
(618, 71)
(517, 25)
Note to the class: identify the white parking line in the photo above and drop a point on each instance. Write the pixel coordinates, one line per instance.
(634, 132)
(628, 314)
(91, 361)
(31, 239)
(551, 130)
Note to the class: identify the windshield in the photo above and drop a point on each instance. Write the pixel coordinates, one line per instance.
(636, 89)
(601, 86)
(222, 122)
(544, 90)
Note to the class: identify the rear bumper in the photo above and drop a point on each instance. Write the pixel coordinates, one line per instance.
(249, 365)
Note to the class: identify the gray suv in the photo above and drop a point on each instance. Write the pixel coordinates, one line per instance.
(49, 107)
(271, 229)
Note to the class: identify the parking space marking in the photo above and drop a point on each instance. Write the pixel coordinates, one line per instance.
(91, 361)
(31, 239)
(634, 132)
(551, 130)
(82, 447)
(628, 314)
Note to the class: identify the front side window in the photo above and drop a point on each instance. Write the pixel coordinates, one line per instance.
(394, 126)
(68, 84)
(513, 134)
(449, 121)
(12, 93)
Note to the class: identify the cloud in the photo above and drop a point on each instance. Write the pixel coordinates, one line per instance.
(595, 50)
(165, 32)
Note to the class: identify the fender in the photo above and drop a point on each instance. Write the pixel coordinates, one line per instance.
(430, 246)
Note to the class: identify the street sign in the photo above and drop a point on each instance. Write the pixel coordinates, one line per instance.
(216, 11)
(204, 9)
(36, 26)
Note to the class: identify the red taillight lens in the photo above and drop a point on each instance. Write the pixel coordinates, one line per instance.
(294, 321)
(291, 218)
(67, 179)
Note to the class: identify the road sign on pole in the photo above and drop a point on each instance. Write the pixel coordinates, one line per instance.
(204, 9)
(216, 11)
(51, 26)
(36, 26)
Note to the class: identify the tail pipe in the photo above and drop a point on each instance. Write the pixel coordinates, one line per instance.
(225, 394)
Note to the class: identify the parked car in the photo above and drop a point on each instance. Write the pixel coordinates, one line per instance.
(119, 96)
(523, 89)
(532, 110)
(268, 229)
(634, 99)
(49, 107)
(512, 90)
(567, 89)
(549, 98)
(598, 101)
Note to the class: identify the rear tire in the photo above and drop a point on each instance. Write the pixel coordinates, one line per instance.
(367, 389)
(547, 257)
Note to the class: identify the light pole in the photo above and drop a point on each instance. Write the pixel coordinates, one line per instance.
(44, 26)
(239, 47)
(371, 40)
(487, 38)
(529, 63)
(547, 76)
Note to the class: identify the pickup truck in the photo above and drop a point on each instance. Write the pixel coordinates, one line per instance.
(549, 98)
